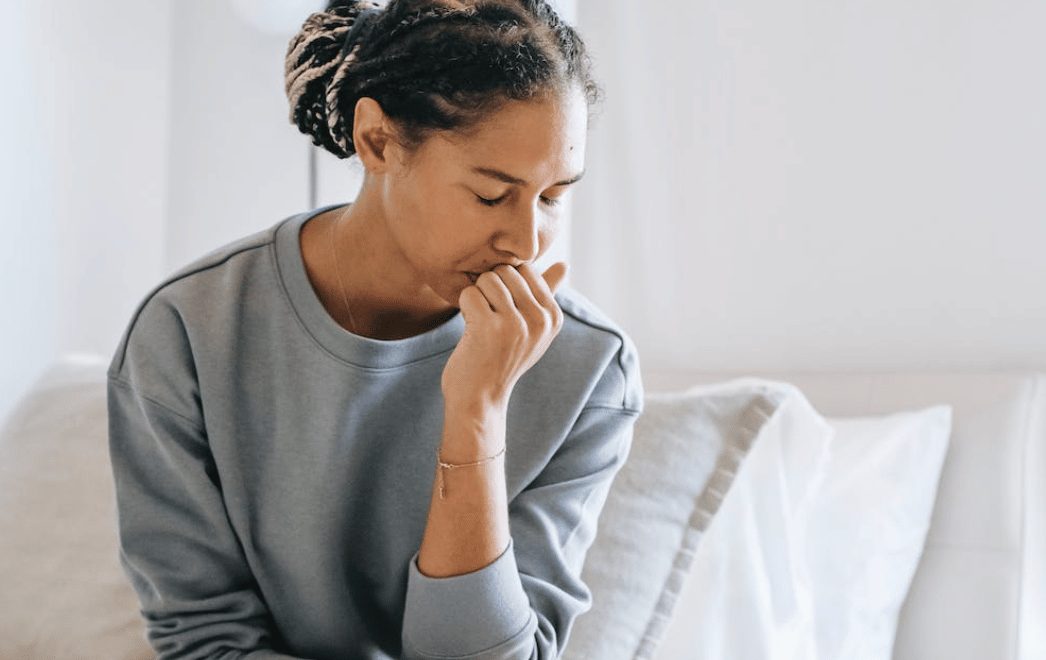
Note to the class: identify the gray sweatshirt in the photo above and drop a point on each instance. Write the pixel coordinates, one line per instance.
(273, 471)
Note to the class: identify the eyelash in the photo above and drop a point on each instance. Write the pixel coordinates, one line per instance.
(494, 202)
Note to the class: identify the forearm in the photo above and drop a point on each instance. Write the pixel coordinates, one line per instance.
(468, 528)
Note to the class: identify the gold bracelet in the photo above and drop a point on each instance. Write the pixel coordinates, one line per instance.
(443, 465)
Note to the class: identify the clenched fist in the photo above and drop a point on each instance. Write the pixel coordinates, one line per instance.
(510, 320)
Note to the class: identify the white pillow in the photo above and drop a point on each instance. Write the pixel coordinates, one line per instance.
(819, 575)
(868, 526)
(685, 453)
(748, 594)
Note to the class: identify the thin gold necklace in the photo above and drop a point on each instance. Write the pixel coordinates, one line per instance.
(337, 268)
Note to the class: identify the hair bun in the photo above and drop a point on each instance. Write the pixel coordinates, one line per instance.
(360, 23)
(315, 69)
(432, 65)
(343, 4)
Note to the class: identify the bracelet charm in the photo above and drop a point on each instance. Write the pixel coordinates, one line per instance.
(443, 465)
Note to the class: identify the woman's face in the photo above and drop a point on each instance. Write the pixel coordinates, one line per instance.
(522, 159)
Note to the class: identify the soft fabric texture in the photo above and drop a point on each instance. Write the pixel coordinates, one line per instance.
(273, 471)
(868, 526)
(687, 449)
(821, 574)
(64, 594)
(748, 592)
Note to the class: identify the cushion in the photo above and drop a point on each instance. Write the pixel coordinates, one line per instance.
(687, 447)
(64, 593)
(825, 575)
(748, 592)
(868, 526)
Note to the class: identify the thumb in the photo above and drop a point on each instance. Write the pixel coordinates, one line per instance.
(555, 274)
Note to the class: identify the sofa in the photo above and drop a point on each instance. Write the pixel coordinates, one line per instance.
(979, 592)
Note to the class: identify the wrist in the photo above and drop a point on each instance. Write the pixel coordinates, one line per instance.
(478, 405)
(473, 431)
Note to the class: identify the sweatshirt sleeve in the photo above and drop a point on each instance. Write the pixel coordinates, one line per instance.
(197, 595)
(524, 603)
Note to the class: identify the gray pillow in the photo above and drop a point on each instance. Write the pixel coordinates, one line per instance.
(687, 446)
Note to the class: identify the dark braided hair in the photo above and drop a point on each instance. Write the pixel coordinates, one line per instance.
(430, 64)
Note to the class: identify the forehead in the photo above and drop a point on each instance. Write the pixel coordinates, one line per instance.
(530, 139)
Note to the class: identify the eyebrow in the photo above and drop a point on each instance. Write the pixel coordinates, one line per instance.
(508, 178)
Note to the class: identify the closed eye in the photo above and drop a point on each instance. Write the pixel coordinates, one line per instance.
(548, 201)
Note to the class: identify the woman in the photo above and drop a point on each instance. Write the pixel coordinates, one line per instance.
(315, 454)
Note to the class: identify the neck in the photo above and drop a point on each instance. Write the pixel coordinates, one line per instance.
(385, 296)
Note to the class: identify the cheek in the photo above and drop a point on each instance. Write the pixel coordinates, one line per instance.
(440, 242)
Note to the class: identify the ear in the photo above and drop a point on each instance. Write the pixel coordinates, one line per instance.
(371, 135)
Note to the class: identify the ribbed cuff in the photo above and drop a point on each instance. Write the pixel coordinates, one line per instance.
(469, 613)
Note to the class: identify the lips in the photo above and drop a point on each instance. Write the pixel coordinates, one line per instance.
(472, 276)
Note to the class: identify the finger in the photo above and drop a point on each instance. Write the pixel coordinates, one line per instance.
(496, 292)
(555, 275)
(542, 292)
(522, 295)
(473, 303)
(537, 284)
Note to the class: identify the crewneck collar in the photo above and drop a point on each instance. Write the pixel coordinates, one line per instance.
(340, 342)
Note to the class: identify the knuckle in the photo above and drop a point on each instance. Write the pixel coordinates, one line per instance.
(548, 319)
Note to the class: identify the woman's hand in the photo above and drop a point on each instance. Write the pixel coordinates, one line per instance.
(511, 318)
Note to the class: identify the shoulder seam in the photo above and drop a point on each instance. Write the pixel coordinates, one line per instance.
(177, 276)
(153, 400)
(618, 353)
(591, 324)
(617, 409)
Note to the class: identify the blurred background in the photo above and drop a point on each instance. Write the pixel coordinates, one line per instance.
(817, 186)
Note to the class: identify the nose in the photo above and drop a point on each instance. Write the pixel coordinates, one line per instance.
(521, 234)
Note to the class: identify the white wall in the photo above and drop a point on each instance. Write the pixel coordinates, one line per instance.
(237, 164)
(83, 179)
(819, 186)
